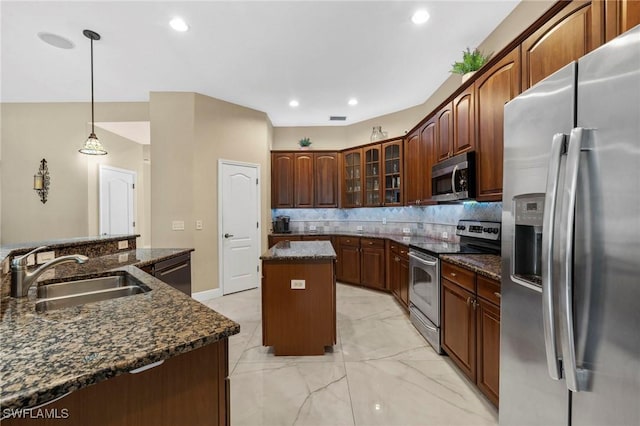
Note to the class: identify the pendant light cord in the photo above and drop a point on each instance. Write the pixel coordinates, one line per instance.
(92, 119)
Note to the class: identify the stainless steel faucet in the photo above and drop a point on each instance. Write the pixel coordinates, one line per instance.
(22, 279)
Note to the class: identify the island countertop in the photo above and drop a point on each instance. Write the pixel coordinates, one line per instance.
(46, 355)
(300, 250)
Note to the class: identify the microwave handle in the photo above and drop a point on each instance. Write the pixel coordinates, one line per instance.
(453, 180)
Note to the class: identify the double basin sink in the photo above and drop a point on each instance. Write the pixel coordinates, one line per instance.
(78, 292)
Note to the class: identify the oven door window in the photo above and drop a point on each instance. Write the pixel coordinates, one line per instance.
(424, 292)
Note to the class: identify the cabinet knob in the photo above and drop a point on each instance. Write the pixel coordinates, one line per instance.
(453, 274)
(370, 243)
(397, 259)
(496, 294)
(468, 301)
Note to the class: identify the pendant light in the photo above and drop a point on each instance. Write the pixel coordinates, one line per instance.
(92, 146)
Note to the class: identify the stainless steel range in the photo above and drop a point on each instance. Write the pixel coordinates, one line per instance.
(476, 237)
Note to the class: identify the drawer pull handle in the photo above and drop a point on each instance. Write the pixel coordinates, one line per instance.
(496, 294)
(147, 367)
(468, 301)
(453, 274)
(370, 243)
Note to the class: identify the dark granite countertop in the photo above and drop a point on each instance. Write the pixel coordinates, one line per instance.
(19, 248)
(402, 239)
(45, 355)
(299, 250)
(488, 265)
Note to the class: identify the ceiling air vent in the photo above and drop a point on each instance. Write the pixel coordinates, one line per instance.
(337, 118)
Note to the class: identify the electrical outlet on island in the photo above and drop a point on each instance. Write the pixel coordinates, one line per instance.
(406, 230)
(445, 235)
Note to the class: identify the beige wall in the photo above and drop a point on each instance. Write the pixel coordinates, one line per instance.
(398, 123)
(190, 132)
(55, 131)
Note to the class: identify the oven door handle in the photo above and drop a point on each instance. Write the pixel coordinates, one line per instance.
(423, 261)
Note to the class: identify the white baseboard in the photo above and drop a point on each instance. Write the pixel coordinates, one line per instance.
(201, 296)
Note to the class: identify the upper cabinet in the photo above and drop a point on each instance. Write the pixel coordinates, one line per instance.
(573, 32)
(304, 179)
(420, 148)
(352, 178)
(326, 179)
(464, 120)
(494, 88)
(412, 168)
(372, 170)
(444, 145)
(392, 172)
(282, 180)
(621, 16)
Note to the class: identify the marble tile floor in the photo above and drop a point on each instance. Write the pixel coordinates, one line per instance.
(380, 372)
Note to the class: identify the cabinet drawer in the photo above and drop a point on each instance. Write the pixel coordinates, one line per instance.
(372, 242)
(400, 250)
(489, 289)
(349, 241)
(463, 277)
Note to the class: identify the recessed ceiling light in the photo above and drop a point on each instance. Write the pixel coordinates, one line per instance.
(353, 102)
(294, 103)
(56, 40)
(420, 17)
(178, 24)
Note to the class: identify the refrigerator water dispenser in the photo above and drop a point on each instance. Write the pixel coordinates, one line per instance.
(527, 244)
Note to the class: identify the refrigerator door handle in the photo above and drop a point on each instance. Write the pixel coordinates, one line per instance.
(576, 378)
(558, 147)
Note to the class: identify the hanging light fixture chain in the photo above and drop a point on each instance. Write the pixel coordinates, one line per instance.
(92, 116)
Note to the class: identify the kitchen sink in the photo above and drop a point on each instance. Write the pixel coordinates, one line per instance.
(78, 292)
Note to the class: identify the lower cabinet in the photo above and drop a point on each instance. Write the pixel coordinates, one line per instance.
(471, 326)
(398, 272)
(361, 261)
(188, 389)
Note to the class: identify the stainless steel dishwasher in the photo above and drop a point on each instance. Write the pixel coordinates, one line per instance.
(176, 272)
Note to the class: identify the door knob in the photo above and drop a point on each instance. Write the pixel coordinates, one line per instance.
(228, 235)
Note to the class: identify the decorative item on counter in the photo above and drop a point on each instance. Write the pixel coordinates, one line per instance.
(41, 181)
(92, 145)
(377, 134)
(471, 62)
(304, 143)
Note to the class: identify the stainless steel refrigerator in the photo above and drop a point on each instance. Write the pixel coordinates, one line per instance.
(570, 319)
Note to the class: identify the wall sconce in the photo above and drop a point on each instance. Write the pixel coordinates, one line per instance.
(41, 181)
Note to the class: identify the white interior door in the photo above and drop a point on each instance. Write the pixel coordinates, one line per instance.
(239, 204)
(117, 210)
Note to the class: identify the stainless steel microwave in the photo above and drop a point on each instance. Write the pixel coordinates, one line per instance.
(454, 179)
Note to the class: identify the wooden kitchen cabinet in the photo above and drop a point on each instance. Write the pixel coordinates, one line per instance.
(493, 88)
(304, 179)
(459, 327)
(325, 166)
(348, 264)
(303, 174)
(373, 187)
(621, 16)
(471, 326)
(188, 389)
(419, 153)
(444, 132)
(392, 172)
(361, 261)
(281, 180)
(464, 120)
(372, 263)
(352, 177)
(398, 272)
(573, 32)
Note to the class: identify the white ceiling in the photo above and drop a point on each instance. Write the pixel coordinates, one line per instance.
(260, 54)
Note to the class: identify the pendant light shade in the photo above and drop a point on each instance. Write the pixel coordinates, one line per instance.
(92, 145)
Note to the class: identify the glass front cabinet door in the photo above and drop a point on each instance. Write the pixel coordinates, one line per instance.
(392, 173)
(352, 178)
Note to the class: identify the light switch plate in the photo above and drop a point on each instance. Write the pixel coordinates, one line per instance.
(123, 257)
(297, 284)
(198, 225)
(45, 256)
(123, 244)
(177, 225)
(406, 230)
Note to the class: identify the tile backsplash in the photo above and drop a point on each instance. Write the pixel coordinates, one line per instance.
(431, 221)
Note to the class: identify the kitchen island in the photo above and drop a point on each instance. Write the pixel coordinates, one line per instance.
(158, 357)
(299, 297)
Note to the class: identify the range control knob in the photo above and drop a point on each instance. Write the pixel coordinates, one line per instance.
(486, 230)
(461, 227)
(495, 230)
